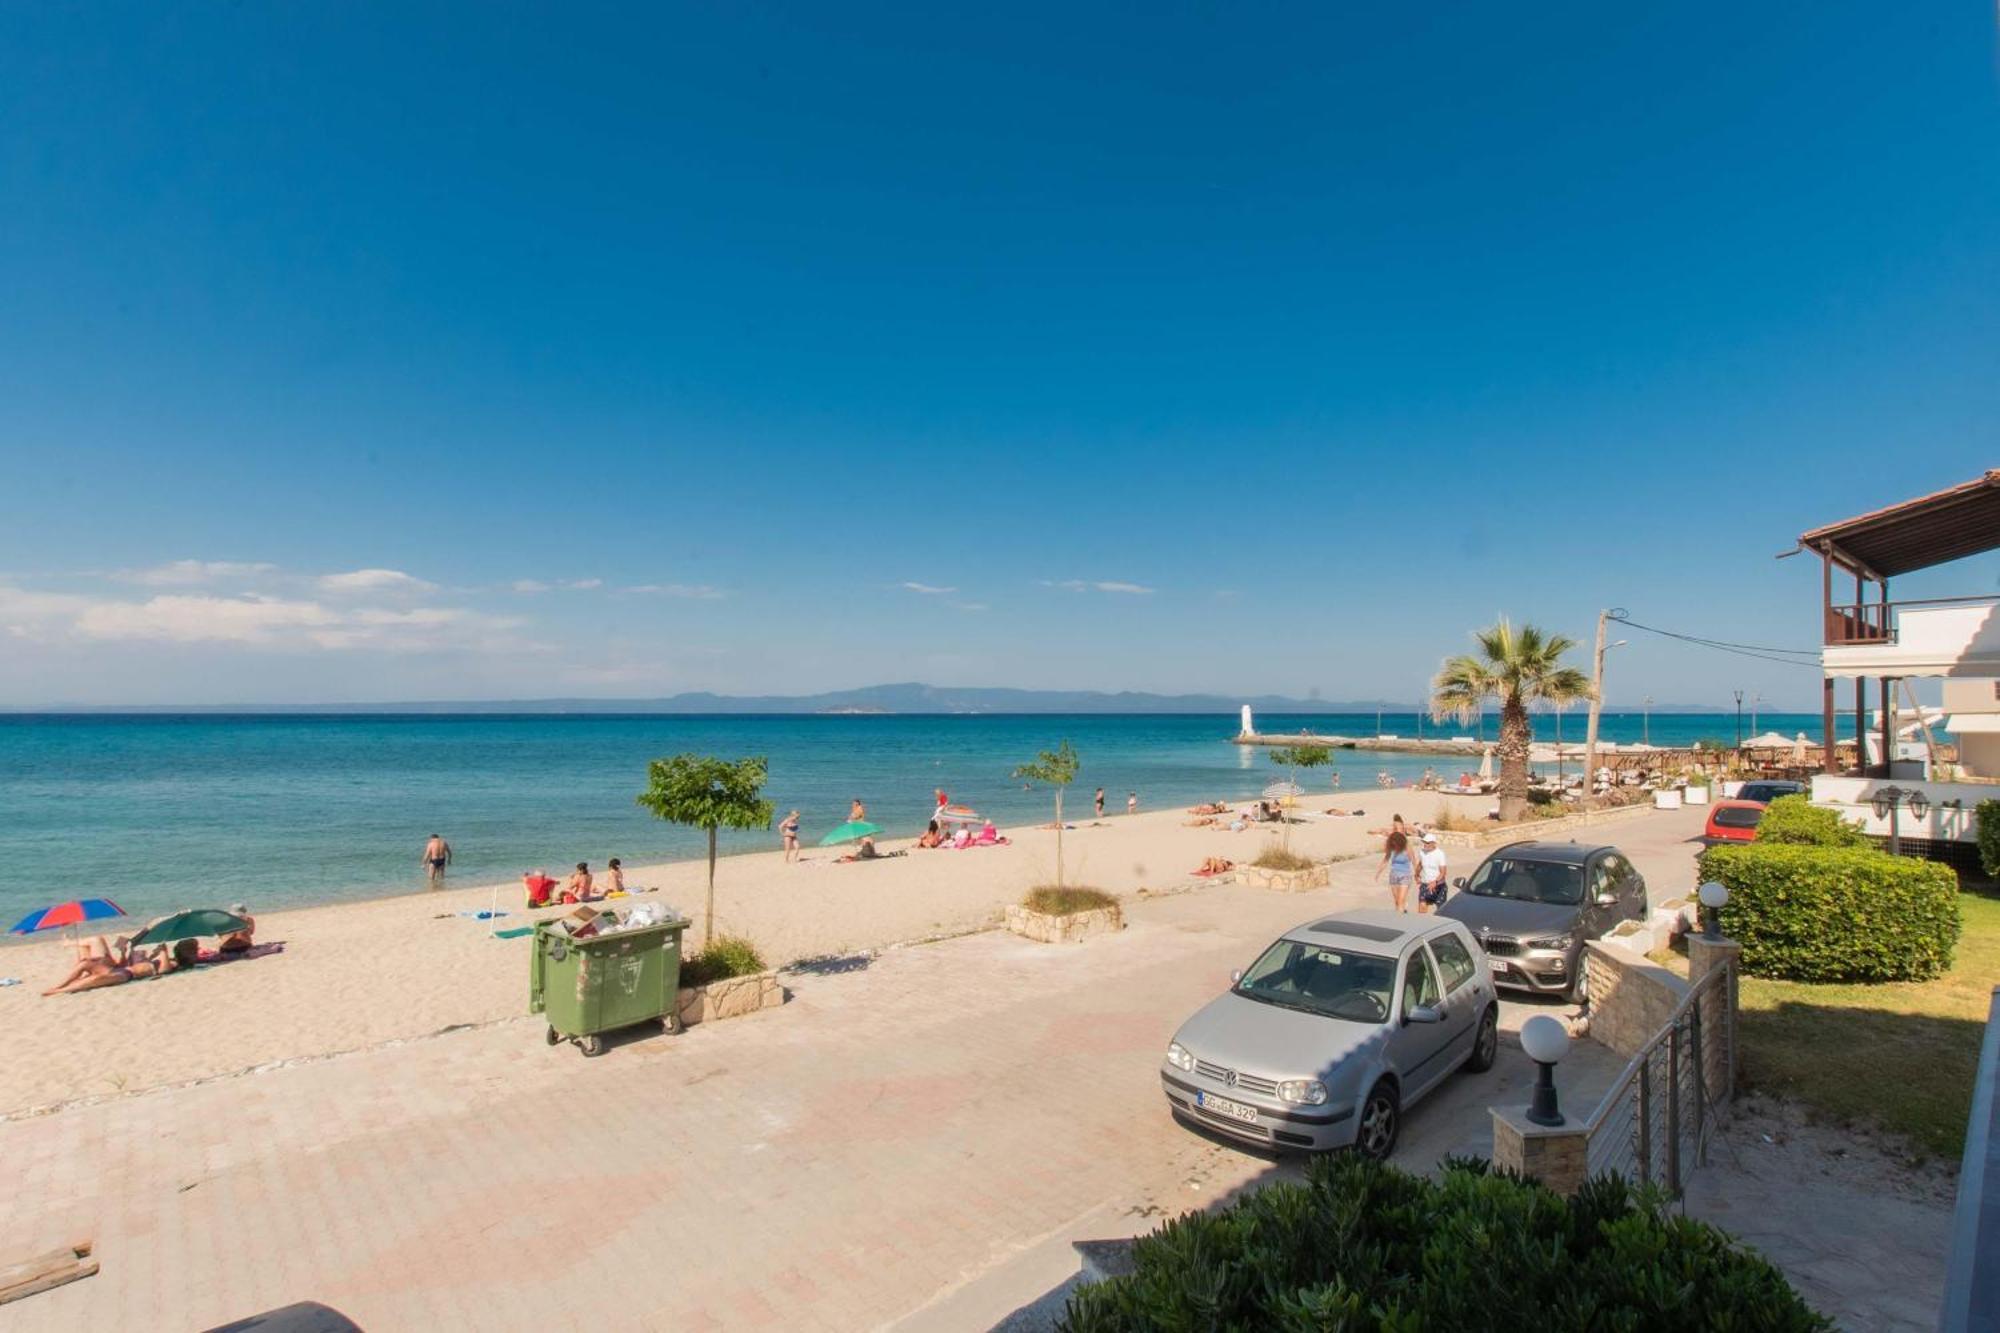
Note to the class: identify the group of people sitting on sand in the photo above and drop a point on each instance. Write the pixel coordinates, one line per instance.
(583, 887)
(936, 835)
(100, 962)
(1217, 814)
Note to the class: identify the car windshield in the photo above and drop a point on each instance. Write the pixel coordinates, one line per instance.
(1321, 980)
(1765, 791)
(1528, 881)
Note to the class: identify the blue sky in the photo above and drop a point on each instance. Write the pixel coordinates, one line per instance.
(383, 352)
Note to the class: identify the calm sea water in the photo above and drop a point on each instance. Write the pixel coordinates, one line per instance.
(162, 812)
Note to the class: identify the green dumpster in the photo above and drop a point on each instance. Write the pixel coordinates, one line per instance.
(586, 987)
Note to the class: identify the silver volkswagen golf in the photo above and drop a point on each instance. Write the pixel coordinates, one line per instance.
(1334, 1030)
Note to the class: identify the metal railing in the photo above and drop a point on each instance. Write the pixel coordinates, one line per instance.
(1875, 622)
(1972, 1281)
(1654, 1124)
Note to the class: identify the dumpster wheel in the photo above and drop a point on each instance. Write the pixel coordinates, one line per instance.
(591, 1045)
(670, 1023)
(554, 1036)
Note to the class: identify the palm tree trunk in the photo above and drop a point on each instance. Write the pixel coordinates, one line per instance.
(1512, 748)
(708, 916)
(1059, 792)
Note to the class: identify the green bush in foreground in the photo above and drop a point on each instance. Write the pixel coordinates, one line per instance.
(1361, 1245)
(1052, 901)
(1836, 913)
(1988, 813)
(1796, 820)
(726, 956)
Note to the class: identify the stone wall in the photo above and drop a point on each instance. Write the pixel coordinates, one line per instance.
(1069, 929)
(1285, 881)
(1631, 998)
(731, 997)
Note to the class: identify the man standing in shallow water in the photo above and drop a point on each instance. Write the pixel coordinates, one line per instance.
(437, 855)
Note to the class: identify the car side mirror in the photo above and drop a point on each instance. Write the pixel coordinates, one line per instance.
(1423, 1013)
(1236, 976)
(1459, 883)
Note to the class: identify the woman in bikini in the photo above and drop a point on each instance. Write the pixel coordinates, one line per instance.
(578, 890)
(154, 963)
(789, 826)
(614, 877)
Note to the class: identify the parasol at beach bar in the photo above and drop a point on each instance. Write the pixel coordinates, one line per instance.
(853, 830)
(1281, 789)
(1486, 765)
(195, 925)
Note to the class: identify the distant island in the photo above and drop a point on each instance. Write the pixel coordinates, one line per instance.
(908, 698)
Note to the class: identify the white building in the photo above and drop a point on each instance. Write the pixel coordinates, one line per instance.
(1956, 639)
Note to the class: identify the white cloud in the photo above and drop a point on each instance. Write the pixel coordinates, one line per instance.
(695, 591)
(928, 589)
(188, 573)
(554, 585)
(199, 618)
(1098, 585)
(970, 606)
(373, 580)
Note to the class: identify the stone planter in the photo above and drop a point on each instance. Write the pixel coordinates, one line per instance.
(1070, 929)
(732, 997)
(1666, 798)
(1695, 795)
(1284, 881)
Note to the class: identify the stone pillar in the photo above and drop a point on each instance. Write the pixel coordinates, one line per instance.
(1558, 1156)
(1718, 1009)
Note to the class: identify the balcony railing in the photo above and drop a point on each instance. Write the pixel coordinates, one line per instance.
(1875, 622)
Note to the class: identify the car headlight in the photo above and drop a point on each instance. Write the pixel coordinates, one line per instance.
(1302, 1091)
(1180, 1057)
(1553, 942)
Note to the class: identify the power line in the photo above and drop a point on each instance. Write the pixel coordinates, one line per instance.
(1795, 656)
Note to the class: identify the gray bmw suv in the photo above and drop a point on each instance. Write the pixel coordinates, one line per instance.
(1531, 905)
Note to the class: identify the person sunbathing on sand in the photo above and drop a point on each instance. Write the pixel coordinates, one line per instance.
(152, 963)
(933, 836)
(239, 941)
(578, 889)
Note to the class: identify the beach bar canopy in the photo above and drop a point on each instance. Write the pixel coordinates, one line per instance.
(1890, 641)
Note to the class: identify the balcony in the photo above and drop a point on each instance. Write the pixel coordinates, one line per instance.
(1950, 636)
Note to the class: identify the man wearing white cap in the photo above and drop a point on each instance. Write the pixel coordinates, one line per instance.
(239, 941)
(1431, 867)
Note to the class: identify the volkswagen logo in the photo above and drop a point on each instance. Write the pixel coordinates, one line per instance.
(1230, 1078)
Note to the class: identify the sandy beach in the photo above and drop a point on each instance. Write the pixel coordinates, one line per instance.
(362, 974)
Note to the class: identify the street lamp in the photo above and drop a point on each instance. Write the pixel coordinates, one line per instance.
(1739, 719)
(1646, 722)
(1546, 1042)
(1713, 895)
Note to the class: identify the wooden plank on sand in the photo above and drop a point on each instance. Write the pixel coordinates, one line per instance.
(46, 1271)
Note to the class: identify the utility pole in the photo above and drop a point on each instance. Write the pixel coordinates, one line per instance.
(1739, 719)
(1755, 703)
(1646, 722)
(1596, 705)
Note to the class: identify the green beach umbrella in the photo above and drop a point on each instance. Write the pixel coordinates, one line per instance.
(848, 832)
(193, 925)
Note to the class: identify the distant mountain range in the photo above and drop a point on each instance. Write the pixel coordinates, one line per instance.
(907, 698)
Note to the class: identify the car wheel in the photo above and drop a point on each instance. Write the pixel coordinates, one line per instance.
(1579, 988)
(1486, 1045)
(1381, 1119)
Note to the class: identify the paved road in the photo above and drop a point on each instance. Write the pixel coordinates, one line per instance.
(917, 1137)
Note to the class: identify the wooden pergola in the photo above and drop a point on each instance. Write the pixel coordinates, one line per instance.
(1947, 525)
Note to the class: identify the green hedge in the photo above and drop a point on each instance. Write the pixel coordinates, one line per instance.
(1988, 813)
(1836, 913)
(726, 956)
(1361, 1245)
(1795, 819)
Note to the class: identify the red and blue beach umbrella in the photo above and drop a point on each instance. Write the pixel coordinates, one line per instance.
(67, 914)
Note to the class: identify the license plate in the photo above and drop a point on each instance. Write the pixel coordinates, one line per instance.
(1496, 965)
(1208, 1101)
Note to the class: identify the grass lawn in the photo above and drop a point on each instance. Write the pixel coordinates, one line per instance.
(1898, 1055)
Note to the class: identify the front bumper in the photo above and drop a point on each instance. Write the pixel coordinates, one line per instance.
(1301, 1128)
(1540, 971)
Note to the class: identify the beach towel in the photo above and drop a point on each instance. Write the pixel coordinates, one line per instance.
(513, 933)
(216, 957)
(10, 981)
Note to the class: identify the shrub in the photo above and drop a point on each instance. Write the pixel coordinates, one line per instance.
(1052, 901)
(1275, 857)
(1989, 836)
(726, 956)
(1795, 819)
(1361, 1245)
(1836, 913)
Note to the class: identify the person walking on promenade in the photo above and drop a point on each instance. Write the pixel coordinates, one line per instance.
(1431, 867)
(437, 855)
(1400, 864)
(789, 826)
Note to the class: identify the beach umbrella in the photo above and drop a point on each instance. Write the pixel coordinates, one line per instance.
(1486, 765)
(1770, 740)
(194, 925)
(958, 814)
(67, 914)
(1281, 789)
(1799, 750)
(851, 831)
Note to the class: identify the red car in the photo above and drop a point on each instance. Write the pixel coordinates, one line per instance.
(1736, 819)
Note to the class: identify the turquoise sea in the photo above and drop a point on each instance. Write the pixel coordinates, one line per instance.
(167, 811)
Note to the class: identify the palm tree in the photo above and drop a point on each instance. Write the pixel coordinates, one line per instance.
(1517, 667)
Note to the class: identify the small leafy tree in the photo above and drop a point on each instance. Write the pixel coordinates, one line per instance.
(1296, 757)
(706, 792)
(1053, 768)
